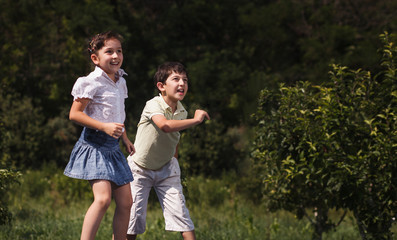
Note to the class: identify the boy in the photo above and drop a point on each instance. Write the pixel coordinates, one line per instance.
(155, 163)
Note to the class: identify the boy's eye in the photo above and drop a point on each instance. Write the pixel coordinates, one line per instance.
(176, 79)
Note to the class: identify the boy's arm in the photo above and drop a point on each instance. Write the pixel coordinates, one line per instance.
(178, 125)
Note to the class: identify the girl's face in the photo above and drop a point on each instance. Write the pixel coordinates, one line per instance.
(109, 58)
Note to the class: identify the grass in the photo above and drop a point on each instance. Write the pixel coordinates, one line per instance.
(48, 211)
(242, 221)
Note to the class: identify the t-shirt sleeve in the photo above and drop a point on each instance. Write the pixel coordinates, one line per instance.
(84, 88)
(152, 108)
(184, 115)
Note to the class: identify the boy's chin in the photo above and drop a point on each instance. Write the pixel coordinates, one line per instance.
(180, 98)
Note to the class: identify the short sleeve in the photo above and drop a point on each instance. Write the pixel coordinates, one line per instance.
(183, 115)
(84, 88)
(152, 108)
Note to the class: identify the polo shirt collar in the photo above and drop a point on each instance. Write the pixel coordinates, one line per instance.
(179, 106)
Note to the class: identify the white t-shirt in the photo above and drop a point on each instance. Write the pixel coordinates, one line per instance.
(107, 97)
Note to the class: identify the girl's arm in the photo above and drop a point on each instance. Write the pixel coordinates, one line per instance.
(176, 152)
(127, 143)
(78, 116)
(178, 125)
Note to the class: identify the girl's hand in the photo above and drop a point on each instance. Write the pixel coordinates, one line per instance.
(129, 147)
(114, 130)
(128, 144)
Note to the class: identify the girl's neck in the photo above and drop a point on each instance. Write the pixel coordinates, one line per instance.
(113, 77)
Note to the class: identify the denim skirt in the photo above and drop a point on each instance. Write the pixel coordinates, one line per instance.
(97, 155)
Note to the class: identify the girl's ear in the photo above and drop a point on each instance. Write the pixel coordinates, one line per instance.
(95, 59)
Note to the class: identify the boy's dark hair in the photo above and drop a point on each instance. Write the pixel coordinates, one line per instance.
(98, 41)
(166, 69)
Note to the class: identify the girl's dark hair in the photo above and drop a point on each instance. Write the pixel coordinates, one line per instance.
(166, 69)
(98, 41)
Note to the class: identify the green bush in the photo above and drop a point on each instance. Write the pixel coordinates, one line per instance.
(206, 192)
(23, 127)
(209, 148)
(333, 146)
(70, 189)
(50, 186)
(8, 175)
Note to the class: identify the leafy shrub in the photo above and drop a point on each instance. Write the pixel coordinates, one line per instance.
(209, 148)
(204, 191)
(8, 176)
(23, 127)
(69, 189)
(333, 146)
(50, 186)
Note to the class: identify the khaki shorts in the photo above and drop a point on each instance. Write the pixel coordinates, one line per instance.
(167, 183)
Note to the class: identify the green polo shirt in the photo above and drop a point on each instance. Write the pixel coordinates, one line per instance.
(154, 148)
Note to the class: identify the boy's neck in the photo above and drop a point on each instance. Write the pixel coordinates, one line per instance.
(170, 103)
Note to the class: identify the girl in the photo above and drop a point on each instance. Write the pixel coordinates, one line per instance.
(99, 106)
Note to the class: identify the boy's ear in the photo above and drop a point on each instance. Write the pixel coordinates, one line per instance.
(160, 86)
(94, 59)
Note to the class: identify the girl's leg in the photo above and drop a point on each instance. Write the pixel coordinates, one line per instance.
(123, 198)
(131, 237)
(190, 235)
(102, 197)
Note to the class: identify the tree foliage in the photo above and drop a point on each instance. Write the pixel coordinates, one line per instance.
(232, 49)
(7, 174)
(333, 146)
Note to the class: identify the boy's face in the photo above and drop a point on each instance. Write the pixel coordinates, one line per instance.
(109, 57)
(175, 87)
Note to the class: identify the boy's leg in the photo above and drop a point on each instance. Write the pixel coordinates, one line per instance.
(102, 197)
(170, 194)
(123, 199)
(140, 189)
